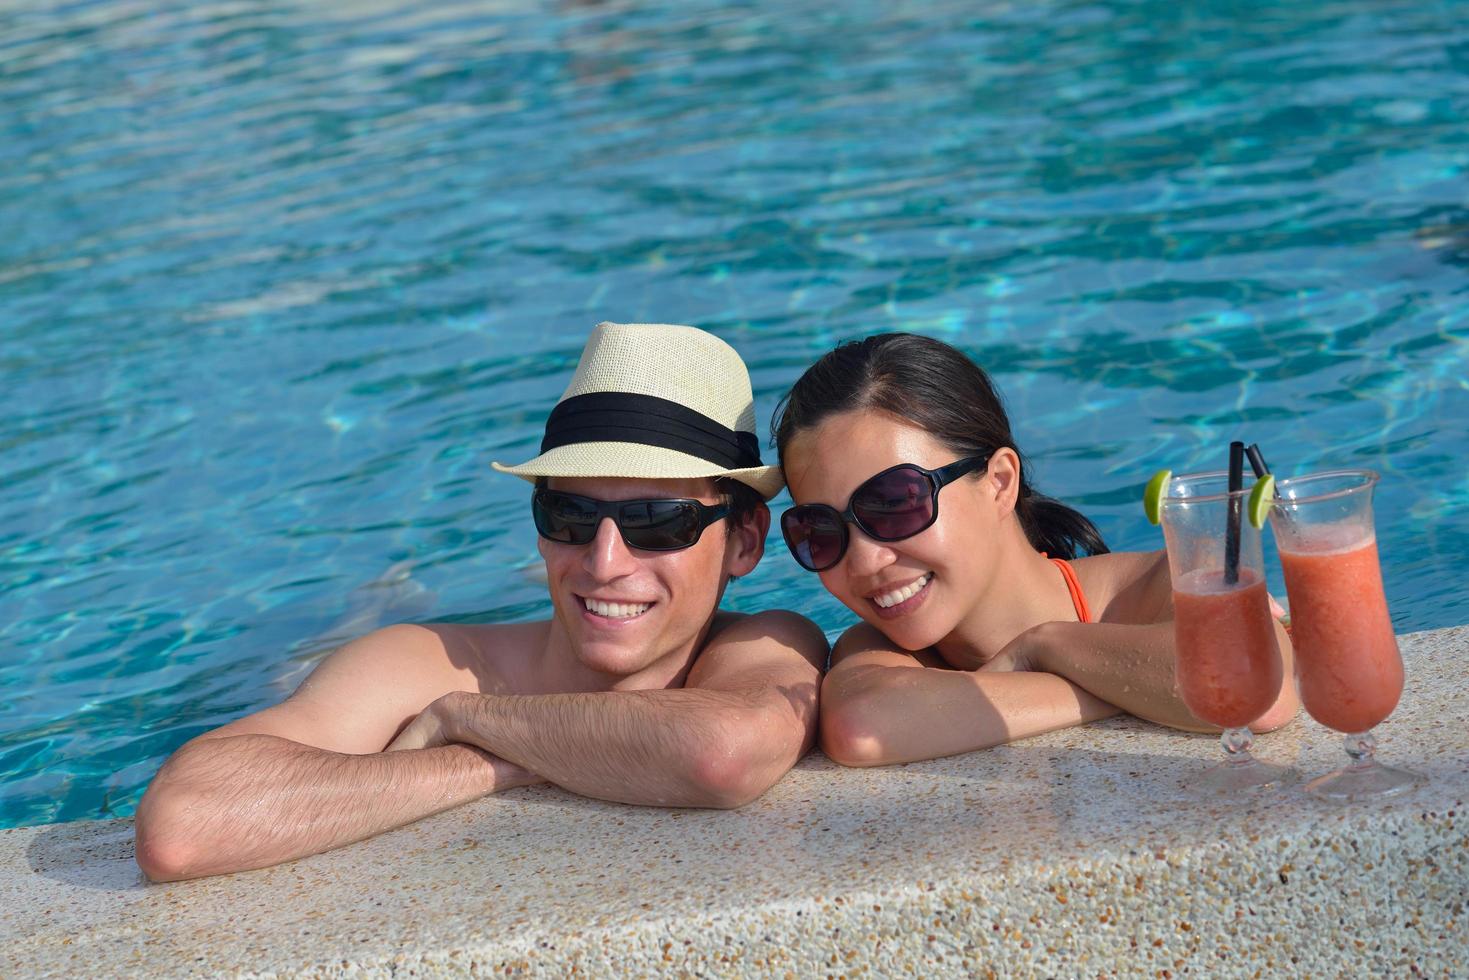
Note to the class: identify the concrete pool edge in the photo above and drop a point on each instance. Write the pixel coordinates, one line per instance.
(1073, 852)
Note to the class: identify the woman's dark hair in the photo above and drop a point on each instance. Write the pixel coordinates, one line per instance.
(933, 386)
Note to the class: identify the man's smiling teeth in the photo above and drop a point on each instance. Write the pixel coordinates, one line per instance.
(889, 599)
(617, 610)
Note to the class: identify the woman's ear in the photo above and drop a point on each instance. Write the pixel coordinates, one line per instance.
(1003, 478)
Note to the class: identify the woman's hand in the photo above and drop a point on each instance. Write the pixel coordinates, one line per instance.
(880, 705)
(1020, 654)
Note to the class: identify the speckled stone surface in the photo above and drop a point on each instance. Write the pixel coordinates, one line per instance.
(1073, 854)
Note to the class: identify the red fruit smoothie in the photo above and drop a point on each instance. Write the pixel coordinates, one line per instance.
(1229, 669)
(1347, 663)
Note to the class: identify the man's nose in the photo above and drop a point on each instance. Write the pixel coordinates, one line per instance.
(608, 556)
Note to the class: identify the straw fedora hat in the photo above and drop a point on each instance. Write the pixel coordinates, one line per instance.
(654, 401)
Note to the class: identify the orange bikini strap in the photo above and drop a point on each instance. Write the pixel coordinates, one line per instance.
(1078, 599)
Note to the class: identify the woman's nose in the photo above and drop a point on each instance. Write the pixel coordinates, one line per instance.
(866, 556)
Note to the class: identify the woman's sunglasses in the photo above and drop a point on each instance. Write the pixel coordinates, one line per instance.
(656, 524)
(895, 504)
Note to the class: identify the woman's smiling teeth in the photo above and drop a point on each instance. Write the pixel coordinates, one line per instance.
(889, 599)
(616, 610)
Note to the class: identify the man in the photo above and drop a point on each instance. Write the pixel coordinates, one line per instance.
(650, 495)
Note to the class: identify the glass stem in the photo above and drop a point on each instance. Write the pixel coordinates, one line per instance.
(1237, 742)
(1362, 747)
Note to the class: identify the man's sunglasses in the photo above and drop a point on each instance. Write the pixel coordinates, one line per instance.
(656, 524)
(895, 504)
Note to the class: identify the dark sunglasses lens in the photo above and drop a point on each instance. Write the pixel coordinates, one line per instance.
(815, 534)
(659, 525)
(895, 504)
(564, 517)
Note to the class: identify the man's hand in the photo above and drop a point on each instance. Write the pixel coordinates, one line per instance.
(746, 713)
(431, 728)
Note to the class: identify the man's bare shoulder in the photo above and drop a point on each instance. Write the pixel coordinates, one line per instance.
(435, 656)
(364, 692)
(779, 628)
(743, 644)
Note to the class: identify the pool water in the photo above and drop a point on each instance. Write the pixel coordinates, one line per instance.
(277, 280)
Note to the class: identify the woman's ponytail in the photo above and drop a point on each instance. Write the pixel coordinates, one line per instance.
(1055, 529)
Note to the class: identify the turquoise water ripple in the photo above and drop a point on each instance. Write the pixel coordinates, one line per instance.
(278, 280)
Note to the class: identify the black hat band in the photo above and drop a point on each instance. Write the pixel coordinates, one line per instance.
(619, 416)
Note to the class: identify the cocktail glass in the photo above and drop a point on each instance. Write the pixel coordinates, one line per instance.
(1228, 666)
(1348, 668)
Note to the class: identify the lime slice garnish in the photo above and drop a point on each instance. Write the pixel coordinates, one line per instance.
(1153, 495)
(1262, 498)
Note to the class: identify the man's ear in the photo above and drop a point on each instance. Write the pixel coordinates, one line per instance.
(1002, 479)
(745, 545)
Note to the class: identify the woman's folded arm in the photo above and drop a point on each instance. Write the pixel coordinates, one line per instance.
(880, 705)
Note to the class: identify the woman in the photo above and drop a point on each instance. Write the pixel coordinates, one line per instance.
(977, 627)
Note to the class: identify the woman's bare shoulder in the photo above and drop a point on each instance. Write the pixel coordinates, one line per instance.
(1127, 586)
(869, 642)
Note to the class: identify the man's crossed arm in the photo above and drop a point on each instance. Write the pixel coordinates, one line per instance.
(745, 715)
(310, 774)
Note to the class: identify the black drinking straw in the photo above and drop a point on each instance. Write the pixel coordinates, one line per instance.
(1257, 460)
(1262, 469)
(1231, 533)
